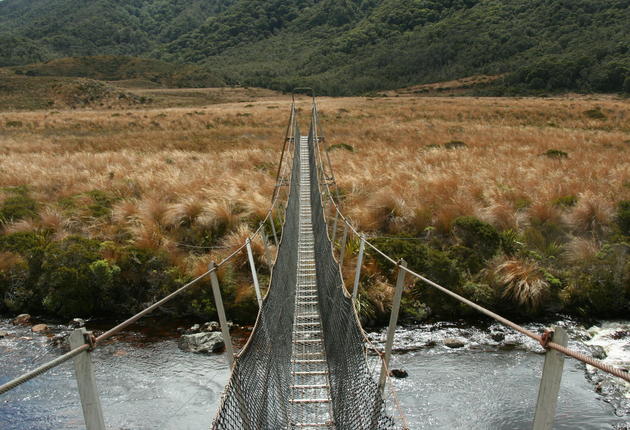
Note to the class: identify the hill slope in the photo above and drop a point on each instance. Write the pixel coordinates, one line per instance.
(341, 46)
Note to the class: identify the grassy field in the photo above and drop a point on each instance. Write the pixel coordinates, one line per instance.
(544, 180)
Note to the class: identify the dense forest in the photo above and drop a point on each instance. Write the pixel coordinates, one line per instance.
(341, 46)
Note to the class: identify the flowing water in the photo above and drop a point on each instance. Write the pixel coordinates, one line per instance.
(491, 382)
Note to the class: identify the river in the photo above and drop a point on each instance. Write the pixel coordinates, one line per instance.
(491, 382)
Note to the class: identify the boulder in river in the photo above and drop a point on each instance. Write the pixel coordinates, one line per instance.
(3, 334)
(398, 373)
(453, 343)
(498, 336)
(201, 342)
(39, 328)
(211, 326)
(22, 319)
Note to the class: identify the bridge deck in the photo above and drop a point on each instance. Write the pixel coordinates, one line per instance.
(310, 389)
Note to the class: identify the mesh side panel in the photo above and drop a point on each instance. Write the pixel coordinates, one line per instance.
(356, 401)
(258, 392)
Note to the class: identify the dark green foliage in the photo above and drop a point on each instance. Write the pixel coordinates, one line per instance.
(68, 283)
(17, 206)
(565, 201)
(595, 114)
(101, 203)
(341, 47)
(623, 217)
(340, 146)
(601, 287)
(429, 262)
(478, 235)
(556, 154)
(455, 144)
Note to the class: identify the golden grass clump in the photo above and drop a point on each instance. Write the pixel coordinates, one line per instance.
(580, 250)
(592, 213)
(522, 281)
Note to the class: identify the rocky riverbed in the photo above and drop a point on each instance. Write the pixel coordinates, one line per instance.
(459, 376)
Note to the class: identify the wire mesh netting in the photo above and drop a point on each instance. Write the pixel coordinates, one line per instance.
(259, 394)
(356, 399)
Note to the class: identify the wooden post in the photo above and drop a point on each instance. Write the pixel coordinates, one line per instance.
(334, 232)
(273, 228)
(90, 402)
(252, 265)
(393, 320)
(344, 239)
(357, 273)
(225, 330)
(550, 383)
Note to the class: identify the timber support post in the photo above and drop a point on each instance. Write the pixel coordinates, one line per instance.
(393, 320)
(273, 228)
(90, 402)
(252, 264)
(218, 300)
(342, 251)
(357, 273)
(550, 382)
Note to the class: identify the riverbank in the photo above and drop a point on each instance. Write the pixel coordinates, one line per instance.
(520, 204)
(489, 381)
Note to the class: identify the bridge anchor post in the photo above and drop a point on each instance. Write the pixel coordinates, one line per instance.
(273, 228)
(225, 330)
(342, 252)
(357, 274)
(90, 402)
(550, 383)
(393, 320)
(252, 264)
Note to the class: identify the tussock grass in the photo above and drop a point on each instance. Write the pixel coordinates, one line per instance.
(203, 176)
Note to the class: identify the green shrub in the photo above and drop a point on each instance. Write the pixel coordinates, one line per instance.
(601, 287)
(478, 235)
(623, 217)
(340, 146)
(556, 154)
(595, 113)
(69, 285)
(14, 292)
(434, 264)
(455, 144)
(18, 206)
(565, 201)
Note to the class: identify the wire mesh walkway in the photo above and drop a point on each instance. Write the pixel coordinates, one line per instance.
(309, 371)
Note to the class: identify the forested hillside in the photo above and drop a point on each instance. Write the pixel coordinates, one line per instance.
(342, 46)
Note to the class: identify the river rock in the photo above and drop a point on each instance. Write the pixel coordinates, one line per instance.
(77, 323)
(39, 328)
(453, 343)
(498, 336)
(398, 373)
(201, 342)
(22, 319)
(598, 352)
(59, 340)
(211, 326)
(3, 334)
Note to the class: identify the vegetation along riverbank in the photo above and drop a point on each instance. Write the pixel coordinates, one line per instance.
(520, 204)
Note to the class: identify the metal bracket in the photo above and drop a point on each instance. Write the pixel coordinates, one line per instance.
(545, 338)
(90, 339)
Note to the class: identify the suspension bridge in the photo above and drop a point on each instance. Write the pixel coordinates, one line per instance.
(305, 363)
